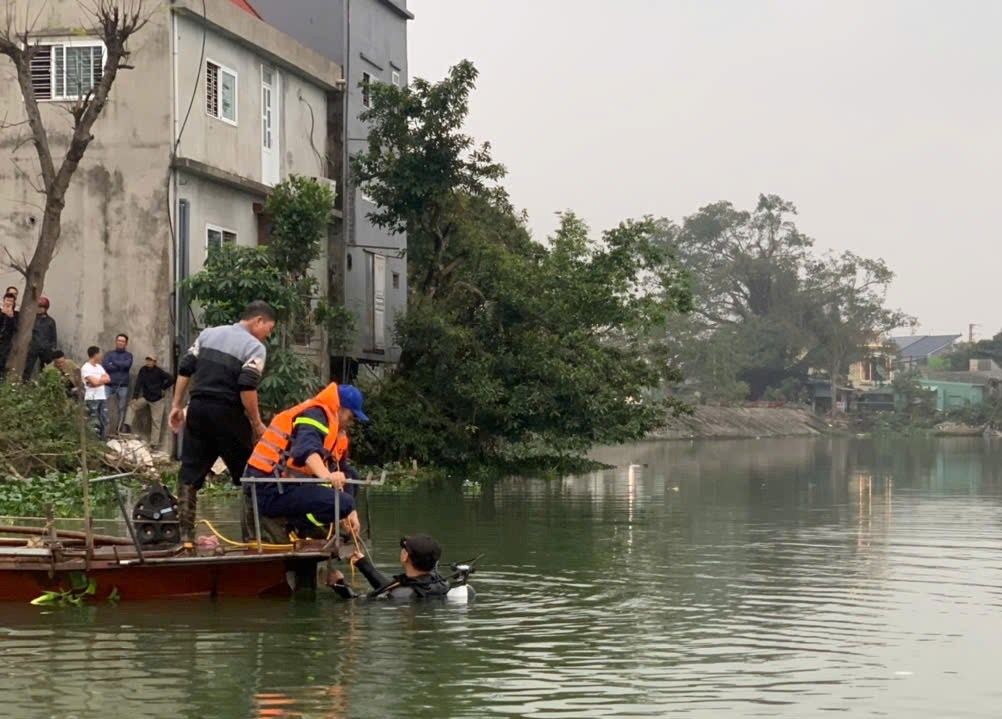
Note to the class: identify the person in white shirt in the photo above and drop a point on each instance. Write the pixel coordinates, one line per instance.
(95, 396)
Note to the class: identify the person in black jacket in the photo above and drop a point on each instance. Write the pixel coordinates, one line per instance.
(43, 340)
(8, 328)
(151, 383)
(419, 555)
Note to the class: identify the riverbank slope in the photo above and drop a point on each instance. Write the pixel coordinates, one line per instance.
(741, 422)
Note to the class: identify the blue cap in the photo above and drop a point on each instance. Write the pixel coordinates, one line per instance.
(351, 398)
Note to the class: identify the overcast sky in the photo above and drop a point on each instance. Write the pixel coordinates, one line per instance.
(880, 119)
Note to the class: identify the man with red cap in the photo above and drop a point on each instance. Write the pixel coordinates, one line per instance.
(302, 442)
(43, 340)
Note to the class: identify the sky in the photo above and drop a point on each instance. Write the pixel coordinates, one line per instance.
(880, 119)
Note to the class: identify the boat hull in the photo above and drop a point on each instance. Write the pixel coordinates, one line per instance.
(232, 575)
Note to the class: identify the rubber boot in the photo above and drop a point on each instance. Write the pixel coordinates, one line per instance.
(187, 503)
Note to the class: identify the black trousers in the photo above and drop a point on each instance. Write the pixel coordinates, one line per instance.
(214, 429)
(35, 356)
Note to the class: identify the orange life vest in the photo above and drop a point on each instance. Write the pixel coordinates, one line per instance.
(271, 452)
(341, 447)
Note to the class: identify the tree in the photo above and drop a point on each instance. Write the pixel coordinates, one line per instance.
(768, 309)
(509, 348)
(424, 173)
(300, 210)
(746, 271)
(115, 22)
(846, 312)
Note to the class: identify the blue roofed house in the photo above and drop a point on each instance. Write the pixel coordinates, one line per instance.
(916, 350)
(871, 376)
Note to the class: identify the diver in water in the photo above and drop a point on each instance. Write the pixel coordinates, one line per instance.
(419, 555)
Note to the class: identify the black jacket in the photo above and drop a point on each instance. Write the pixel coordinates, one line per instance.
(8, 327)
(151, 382)
(401, 586)
(43, 334)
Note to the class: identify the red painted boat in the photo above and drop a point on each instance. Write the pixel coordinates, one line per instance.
(151, 563)
(28, 572)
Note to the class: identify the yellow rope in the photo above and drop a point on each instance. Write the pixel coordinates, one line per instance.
(358, 547)
(243, 545)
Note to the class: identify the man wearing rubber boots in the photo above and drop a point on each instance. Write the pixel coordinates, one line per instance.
(224, 368)
(303, 442)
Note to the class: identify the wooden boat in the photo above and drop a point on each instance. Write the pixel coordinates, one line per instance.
(46, 564)
(30, 569)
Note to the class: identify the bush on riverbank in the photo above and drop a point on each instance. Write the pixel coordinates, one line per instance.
(64, 491)
(41, 429)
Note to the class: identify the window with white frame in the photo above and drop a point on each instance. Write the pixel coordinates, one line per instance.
(220, 92)
(67, 70)
(395, 78)
(216, 236)
(267, 107)
(367, 82)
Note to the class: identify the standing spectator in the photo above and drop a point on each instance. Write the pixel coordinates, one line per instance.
(151, 383)
(8, 327)
(95, 380)
(224, 369)
(43, 339)
(12, 290)
(117, 364)
(69, 373)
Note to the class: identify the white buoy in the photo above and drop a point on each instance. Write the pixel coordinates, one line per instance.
(461, 594)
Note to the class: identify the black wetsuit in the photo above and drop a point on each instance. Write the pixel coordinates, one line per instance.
(400, 586)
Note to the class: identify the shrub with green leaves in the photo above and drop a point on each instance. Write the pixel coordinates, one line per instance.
(280, 273)
(41, 428)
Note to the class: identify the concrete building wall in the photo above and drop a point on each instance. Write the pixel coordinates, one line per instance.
(376, 45)
(111, 272)
(114, 268)
(214, 204)
(237, 149)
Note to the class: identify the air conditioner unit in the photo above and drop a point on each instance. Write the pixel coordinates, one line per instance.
(332, 184)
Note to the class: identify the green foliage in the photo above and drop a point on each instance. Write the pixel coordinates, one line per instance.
(789, 390)
(41, 428)
(915, 402)
(509, 347)
(939, 363)
(290, 378)
(64, 491)
(300, 209)
(763, 292)
(234, 276)
(961, 355)
(81, 587)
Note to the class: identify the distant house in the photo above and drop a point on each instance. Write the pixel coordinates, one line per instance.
(916, 350)
(955, 390)
(986, 368)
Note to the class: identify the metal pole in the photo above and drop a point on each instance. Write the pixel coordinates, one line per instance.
(257, 519)
(88, 526)
(128, 522)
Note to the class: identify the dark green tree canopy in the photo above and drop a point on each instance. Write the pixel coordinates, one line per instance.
(767, 307)
(510, 347)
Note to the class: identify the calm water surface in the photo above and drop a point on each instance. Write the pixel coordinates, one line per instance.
(757, 578)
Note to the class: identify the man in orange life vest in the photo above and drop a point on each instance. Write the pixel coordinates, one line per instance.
(303, 442)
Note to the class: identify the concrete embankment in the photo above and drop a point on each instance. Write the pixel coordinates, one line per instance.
(741, 422)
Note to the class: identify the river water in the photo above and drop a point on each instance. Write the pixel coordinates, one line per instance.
(754, 578)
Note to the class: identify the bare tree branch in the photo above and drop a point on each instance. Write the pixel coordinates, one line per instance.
(20, 266)
(114, 22)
